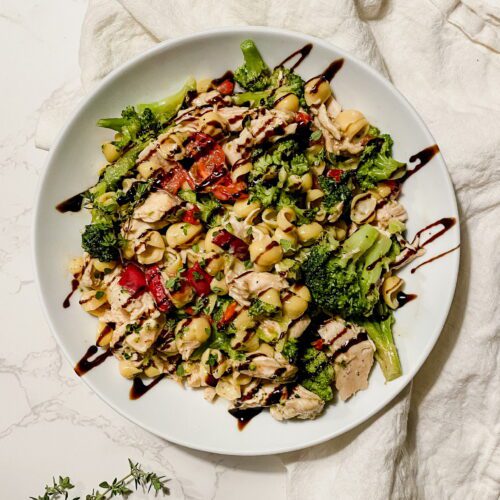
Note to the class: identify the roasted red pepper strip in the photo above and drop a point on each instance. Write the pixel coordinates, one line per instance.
(318, 344)
(133, 279)
(232, 244)
(229, 313)
(157, 289)
(302, 118)
(335, 174)
(209, 159)
(199, 280)
(226, 87)
(190, 216)
(227, 190)
(173, 180)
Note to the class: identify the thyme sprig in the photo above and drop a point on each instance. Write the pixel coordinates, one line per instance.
(137, 478)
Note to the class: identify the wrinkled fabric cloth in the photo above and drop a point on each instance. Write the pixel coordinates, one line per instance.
(440, 438)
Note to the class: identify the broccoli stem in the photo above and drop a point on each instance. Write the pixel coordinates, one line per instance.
(386, 353)
(253, 60)
(166, 108)
(112, 123)
(252, 98)
(359, 243)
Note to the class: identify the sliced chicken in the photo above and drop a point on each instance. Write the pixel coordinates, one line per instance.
(301, 403)
(266, 124)
(298, 327)
(262, 366)
(352, 369)
(257, 394)
(235, 116)
(391, 210)
(248, 284)
(156, 205)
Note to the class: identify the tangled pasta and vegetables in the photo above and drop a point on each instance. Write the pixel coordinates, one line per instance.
(244, 242)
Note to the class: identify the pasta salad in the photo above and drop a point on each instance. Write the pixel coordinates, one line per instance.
(244, 239)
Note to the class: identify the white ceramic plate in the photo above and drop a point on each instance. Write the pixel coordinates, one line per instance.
(183, 416)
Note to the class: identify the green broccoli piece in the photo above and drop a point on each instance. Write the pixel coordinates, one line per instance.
(208, 206)
(291, 350)
(376, 163)
(344, 281)
(101, 241)
(254, 73)
(165, 109)
(336, 191)
(317, 373)
(264, 87)
(260, 308)
(386, 353)
(265, 195)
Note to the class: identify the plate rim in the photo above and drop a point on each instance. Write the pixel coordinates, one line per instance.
(171, 44)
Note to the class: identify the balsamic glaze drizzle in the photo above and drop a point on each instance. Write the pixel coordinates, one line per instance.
(139, 388)
(85, 364)
(304, 52)
(432, 259)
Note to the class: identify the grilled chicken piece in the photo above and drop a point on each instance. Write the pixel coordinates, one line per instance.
(265, 125)
(298, 327)
(262, 366)
(155, 206)
(258, 394)
(248, 284)
(391, 210)
(301, 403)
(235, 116)
(352, 369)
(351, 353)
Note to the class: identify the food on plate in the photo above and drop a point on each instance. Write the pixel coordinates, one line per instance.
(244, 237)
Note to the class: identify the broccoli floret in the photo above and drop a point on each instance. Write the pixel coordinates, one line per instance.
(101, 241)
(317, 373)
(285, 81)
(386, 353)
(336, 191)
(265, 195)
(208, 205)
(376, 163)
(344, 281)
(291, 350)
(254, 73)
(261, 308)
(264, 87)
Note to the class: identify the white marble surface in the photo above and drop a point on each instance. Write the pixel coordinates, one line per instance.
(50, 422)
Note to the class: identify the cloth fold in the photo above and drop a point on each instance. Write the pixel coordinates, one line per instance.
(441, 437)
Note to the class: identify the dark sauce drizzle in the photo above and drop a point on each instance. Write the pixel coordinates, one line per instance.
(446, 222)
(327, 75)
(74, 286)
(228, 75)
(73, 204)
(244, 416)
(424, 157)
(85, 364)
(432, 259)
(304, 52)
(139, 388)
(404, 298)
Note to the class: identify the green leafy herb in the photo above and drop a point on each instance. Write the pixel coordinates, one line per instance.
(136, 478)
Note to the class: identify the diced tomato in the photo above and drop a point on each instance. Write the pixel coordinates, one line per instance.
(227, 190)
(209, 159)
(229, 313)
(232, 244)
(302, 118)
(226, 87)
(199, 279)
(335, 174)
(133, 279)
(191, 216)
(173, 180)
(318, 344)
(157, 289)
